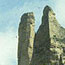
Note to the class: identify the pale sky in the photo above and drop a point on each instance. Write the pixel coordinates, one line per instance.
(10, 13)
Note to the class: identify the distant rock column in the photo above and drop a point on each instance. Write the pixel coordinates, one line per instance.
(26, 38)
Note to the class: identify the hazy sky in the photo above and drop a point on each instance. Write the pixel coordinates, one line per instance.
(10, 13)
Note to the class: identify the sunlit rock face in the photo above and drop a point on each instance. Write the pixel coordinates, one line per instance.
(47, 46)
(26, 38)
(57, 36)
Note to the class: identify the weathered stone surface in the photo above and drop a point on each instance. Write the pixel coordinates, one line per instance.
(57, 36)
(49, 44)
(49, 40)
(26, 38)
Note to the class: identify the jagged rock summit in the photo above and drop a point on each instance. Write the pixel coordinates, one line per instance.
(46, 46)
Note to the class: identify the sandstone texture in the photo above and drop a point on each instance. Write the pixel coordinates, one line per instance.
(46, 46)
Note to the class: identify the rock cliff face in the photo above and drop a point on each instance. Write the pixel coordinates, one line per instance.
(48, 45)
(26, 38)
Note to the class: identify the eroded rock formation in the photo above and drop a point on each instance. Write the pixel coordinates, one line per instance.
(26, 38)
(48, 45)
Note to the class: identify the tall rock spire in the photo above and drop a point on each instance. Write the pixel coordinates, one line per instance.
(26, 38)
(41, 54)
(49, 41)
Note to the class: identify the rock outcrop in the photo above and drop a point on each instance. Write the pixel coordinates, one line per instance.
(48, 45)
(26, 38)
